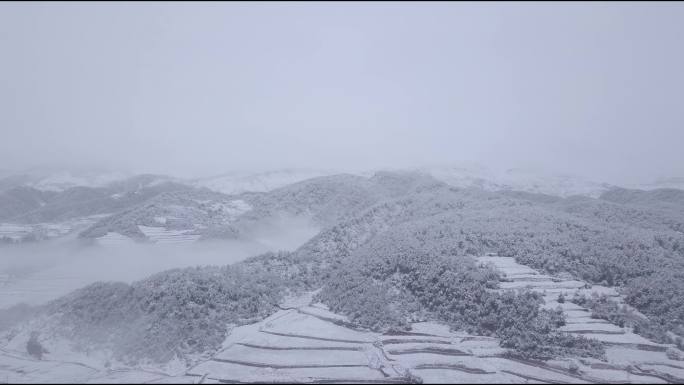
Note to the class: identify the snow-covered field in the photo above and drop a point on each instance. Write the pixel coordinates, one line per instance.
(624, 348)
(163, 235)
(113, 239)
(14, 232)
(17, 231)
(305, 342)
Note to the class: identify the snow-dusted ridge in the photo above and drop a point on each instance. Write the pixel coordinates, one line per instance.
(237, 182)
(533, 181)
(240, 182)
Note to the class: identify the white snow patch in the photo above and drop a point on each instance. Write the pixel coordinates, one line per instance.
(163, 235)
(113, 238)
(14, 231)
(160, 220)
(231, 209)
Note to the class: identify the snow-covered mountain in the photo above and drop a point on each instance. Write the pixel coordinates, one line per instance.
(64, 180)
(388, 239)
(52, 198)
(672, 182)
(239, 182)
(517, 179)
(461, 175)
(229, 183)
(59, 180)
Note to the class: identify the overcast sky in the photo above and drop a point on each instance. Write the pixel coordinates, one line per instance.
(592, 89)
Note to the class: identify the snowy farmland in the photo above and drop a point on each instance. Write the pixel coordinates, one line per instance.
(305, 342)
(163, 235)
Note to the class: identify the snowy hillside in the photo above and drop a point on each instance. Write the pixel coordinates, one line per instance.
(239, 182)
(65, 180)
(59, 181)
(385, 242)
(172, 216)
(517, 179)
(673, 182)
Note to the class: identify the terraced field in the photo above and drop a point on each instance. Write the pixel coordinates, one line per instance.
(163, 235)
(154, 235)
(113, 238)
(16, 232)
(631, 358)
(16, 367)
(305, 342)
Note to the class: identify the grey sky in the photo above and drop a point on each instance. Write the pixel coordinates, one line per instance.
(594, 89)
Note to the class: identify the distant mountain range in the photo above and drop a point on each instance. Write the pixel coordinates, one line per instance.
(150, 206)
(239, 182)
(261, 181)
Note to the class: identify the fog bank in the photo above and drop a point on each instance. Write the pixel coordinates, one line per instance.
(36, 273)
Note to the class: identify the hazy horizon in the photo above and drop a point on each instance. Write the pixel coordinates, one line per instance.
(176, 204)
(203, 89)
(470, 168)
